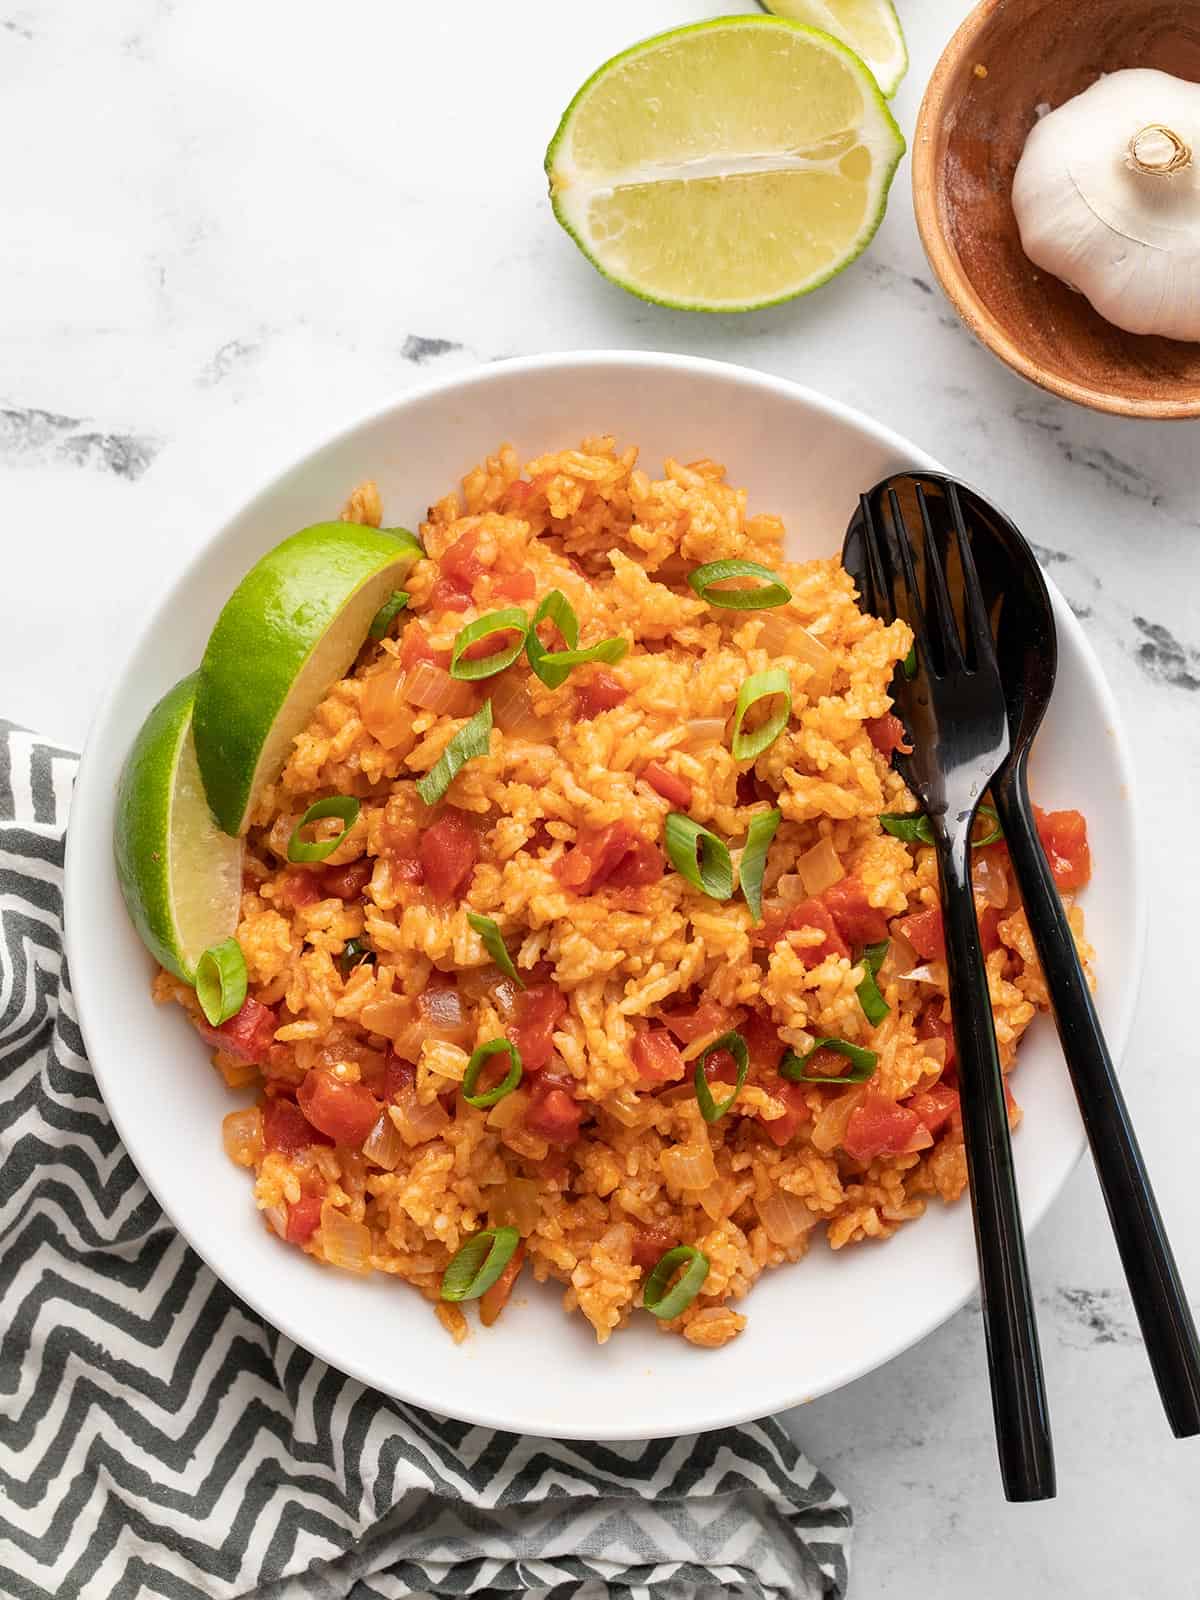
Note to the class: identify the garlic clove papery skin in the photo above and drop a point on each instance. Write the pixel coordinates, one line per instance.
(1126, 239)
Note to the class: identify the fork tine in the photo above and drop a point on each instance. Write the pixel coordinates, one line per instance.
(936, 591)
(978, 626)
(908, 577)
(879, 595)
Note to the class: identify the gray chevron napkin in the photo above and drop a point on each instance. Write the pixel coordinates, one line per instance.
(156, 1438)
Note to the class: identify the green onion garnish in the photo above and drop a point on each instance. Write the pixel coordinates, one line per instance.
(914, 827)
(354, 953)
(862, 1063)
(494, 944)
(774, 683)
(221, 981)
(710, 1110)
(510, 620)
(875, 1007)
(666, 1302)
(553, 666)
(713, 873)
(395, 602)
(754, 858)
(774, 592)
(471, 740)
(909, 665)
(344, 806)
(555, 608)
(994, 832)
(479, 1263)
(507, 1084)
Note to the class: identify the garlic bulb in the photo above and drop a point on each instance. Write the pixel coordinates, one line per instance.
(1107, 197)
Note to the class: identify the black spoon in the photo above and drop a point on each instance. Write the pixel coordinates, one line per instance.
(1027, 649)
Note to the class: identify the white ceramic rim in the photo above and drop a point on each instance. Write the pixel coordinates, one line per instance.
(75, 913)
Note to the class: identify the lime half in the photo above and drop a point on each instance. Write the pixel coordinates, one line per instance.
(180, 875)
(870, 27)
(727, 165)
(288, 631)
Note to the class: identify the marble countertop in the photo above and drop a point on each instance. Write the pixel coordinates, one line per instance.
(219, 229)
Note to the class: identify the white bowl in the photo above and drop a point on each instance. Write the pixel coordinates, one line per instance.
(811, 1327)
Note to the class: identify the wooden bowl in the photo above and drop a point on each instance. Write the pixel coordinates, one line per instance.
(1009, 57)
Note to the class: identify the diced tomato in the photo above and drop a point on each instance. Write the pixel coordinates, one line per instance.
(491, 644)
(303, 1219)
(809, 914)
(878, 1126)
(887, 734)
(408, 869)
(697, 1022)
(449, 850)
(446, 596)
(515, 585)
(286, 1128)
(763, 1043)
(397, 1075)
(783, 1129)
(989, 929)
(935, 1107)
(494, 1299)
(345, 1111)
(656, 1057)
(600, 693)
(668, 784)
(554, 1115)
(925, 933)
(297, 889)
(651, 1241)
(415, 646)
(614, 857)
(516, 495)
(348, 882)
(858, 921)
(247, 1036)
(460, 563)
(1064, 838)
(721, 1067)
(538, 1012)
(933, 1025)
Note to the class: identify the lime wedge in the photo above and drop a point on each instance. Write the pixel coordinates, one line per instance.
(288, 631)
(870, 27)
(180, 875)
(725, 166)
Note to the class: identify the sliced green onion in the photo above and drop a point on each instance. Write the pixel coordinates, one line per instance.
(354, 953)
(710, 1110)
(479, 1263)
(510, 620)
(471, 740)
(913, 827)
(754, 858)
(713, 873)
(221, 981)
(395, 602)
(344, 806)
(494, 944)
(507, 1084)
(554, 666)
(862, 1063)
(666, 1300)
(909, 665)
(775, 682)
(875, 1007)
(555, 608)
(774, 591)
(994, 832)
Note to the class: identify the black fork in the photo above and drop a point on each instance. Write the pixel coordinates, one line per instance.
(954, 708)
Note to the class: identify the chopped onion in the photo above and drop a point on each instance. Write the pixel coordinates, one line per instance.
(900, 958)
(785, 1217)
(433, 689)
(989, 879)
(417, 1123)
(830, 1126)
(242, 1136)
(782, 635)
(383, 1145)
(442, 1010)
(514, 1203)
(513, 714)
(688, 1166)
(932, 972)
(390, 1016)
(385, 711)
(820, 868)
(789, 890)
(625, 1106)
(934, 1050)
(506, 1113)
(346, 1244)
(276, 1218)
(714, 1201)
(702, 731)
